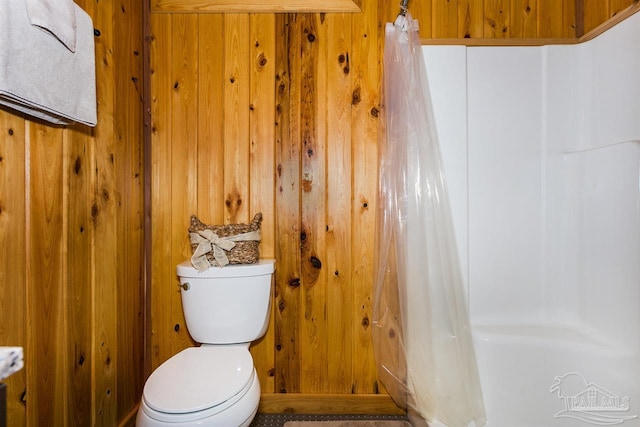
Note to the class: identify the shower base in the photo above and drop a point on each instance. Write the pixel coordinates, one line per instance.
(553, 375)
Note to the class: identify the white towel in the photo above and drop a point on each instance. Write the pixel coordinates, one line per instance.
(41, 77)
(58, 17)
(11, 361)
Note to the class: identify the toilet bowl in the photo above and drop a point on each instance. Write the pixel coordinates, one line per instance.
(188, 389)
(214, 384)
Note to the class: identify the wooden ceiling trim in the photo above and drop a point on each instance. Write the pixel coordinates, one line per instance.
(499, 42)
(254, 6)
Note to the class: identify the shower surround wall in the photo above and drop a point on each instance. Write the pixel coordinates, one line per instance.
(541, 147)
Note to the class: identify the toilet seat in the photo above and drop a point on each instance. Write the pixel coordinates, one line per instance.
(199, 382)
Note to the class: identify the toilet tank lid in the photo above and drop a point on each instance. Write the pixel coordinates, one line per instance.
(262, 267)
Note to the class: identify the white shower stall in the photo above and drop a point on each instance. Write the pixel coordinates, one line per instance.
(541, 149)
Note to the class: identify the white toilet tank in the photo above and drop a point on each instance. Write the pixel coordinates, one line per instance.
(226, 305)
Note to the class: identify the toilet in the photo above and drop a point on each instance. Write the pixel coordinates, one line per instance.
(215, 384)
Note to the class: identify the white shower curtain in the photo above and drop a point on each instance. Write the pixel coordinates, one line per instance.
(422, 338)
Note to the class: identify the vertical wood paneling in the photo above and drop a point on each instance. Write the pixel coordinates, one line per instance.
(524, 18)
(579, 17)
(45, 291)
(470, 19)
(162, 291)
(421, 10)
(445, 18)
(79, 277)
(313, 109)
(261, 161)
(184, 137)
(262, 117)
(12, 239)
(70, 214)
(129, 152)
(365, 100)
(497, 19)
(104, 222)
(569, 19)
(210, 119)
(287, 206)
(338, 268)
(236, 117)
(551, 19)
(617, 6)
(595, 13)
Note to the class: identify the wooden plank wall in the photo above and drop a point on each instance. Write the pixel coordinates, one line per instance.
(493, 19)
(240, 111)
(71, 232)
(279, 113)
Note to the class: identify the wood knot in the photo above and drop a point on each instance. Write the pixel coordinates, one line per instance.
(355, 97)
(95, 210)
(77, 166)
(295, 282)
(315, 262)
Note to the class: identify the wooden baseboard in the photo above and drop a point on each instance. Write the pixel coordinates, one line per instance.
(130, 419)
(303, 403)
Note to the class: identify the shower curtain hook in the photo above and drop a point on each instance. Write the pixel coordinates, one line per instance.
(403, 7)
